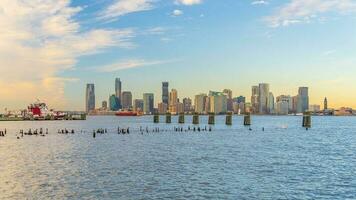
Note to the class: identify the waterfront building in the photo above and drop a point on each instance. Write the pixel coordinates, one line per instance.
(138, 105)
(314, 108)
(270, 103)
(283, 105)
(180, 108)
(325, 104)
(162, 108)
(148, 103)
(254, 99)
(240, 99)
(165, 93)
(90, 98)
(126, 101)
(199, 103)
(104, 105)
(228, 94)
(118, 90)
(114, 103)
(187, 102)
(173, 101)
(303, 100)
(263, 98)
(294, 104)
(218, 102)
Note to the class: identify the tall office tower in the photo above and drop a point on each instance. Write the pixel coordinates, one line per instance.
(325, 103)
(207, 105)
(230, 102)
(114, 103)
(148, 103)
(295, 104)
(138, 105)
(118, 90)
(263, 90)
(162, 108)
(90, 98)
(126, 101)
(240, 99)
(187, 102)
(218, 102)
(270, 103)
(199, 103)
(104, 105)
(303, 100)
(173, 101)
(282, 105)
(254, 99)
(180, 107)
(165, 92)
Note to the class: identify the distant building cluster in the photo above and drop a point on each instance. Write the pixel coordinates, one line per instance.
(262, 102)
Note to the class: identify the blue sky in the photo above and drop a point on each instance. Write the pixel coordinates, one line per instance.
(197, 45)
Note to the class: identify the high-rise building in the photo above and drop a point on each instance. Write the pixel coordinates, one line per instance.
(138, 105)
(114, 103)
(270, 103)
(314, 108)
(230, 102)
(254, 99)
(282, 105)
(187, 102)
(263, 98)
(90, 98)
(294, 104)
(126, 101)
(165, 93)
(199, 103)
(148, 103)
(118, 90)
(325, 104)
(173, 101)
(180, 108)
(303, 100)
(162, 108)
(218, 102)
(240, 99)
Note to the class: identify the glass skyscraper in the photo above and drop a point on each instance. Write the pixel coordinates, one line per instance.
(165, 92)
(90, 98)
(118, 90)
(148, 103)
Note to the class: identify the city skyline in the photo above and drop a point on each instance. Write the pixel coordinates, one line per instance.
(51, 49)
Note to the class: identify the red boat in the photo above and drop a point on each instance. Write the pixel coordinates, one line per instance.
(127, 113)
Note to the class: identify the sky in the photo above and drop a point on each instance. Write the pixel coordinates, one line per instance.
(50, 49)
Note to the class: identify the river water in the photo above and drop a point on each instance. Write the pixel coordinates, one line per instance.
(232, 162)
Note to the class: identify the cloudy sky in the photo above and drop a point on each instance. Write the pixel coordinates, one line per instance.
(49, 49)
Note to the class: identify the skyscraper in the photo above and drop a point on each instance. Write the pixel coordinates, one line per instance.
(270, 103)
(199, 103)
(263, 98)
(118, 90)
(90, 98)
(165, 92)
(138, 105)
(303, 100)
(218, 102)
(148, 103)
(254, 99)
(114, 103)
(187, 102)
(173, 101)
(230, 102)
(325, 103)
(126, 102)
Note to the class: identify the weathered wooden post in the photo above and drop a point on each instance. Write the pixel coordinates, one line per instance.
(181, 118)
(211, 120)
(156, 118)
(228, 120)
(196, 118)
(307, 123)
(168, 118)
(247, 119)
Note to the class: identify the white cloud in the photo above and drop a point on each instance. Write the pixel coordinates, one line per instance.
(304, 11)
(124, 7)
(188, 2)
(260, 2)
(40, 39)
(129, 64)
(177, 13)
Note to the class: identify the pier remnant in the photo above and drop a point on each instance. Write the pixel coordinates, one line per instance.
(156, 118)
(196, 118)
(247, 119)
(307, 120)
(168, 118)
(228, 120)
(181, 118)
(211, 120)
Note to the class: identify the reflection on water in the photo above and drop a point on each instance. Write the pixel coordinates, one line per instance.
(283, 162)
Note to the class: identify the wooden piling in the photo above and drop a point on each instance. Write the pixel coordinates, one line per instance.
(196, 118)
(247, 119)
(168, 118)
(228, 120)
(156, 118)
(307, 123)
(181, 118)
(211, 120)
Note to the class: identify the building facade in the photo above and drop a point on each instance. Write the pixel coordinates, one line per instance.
(199, 103)
(114, 103)
(118, 90)
(138, 105)
(263, 98)
(126, 102)
(148, 103)
(90, 98)
(165, 92)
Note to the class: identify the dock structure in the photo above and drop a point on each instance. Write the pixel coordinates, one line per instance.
(228, 120)
(196, 118)
(211, 119)
(307, 123)
(247, 119)
(168, 118)
(181, 118)
(156, 118)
